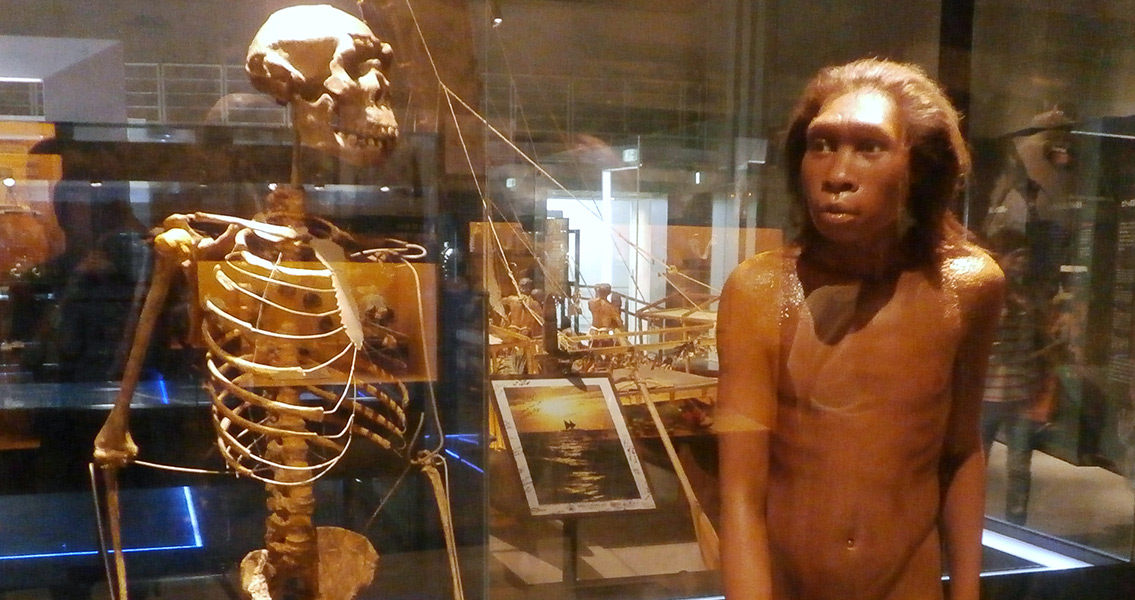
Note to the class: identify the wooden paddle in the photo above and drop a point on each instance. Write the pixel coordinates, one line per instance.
(703, 527)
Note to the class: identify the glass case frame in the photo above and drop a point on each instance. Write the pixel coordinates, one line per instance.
(568, 143)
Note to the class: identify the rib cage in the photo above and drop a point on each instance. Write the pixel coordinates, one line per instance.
(288, 382)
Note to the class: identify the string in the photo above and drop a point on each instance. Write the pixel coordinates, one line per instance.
(637, 249)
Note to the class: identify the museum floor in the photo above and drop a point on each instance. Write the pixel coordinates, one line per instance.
(1088, 506)
(653, 555)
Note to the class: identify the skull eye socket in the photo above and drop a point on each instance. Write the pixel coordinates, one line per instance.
(358, 69)
(367, 66)
(310, 93)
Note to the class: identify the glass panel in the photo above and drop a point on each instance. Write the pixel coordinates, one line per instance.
(536, 299)
(293, 377)
(1051, 129)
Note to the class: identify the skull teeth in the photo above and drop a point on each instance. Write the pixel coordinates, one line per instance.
(384, 138)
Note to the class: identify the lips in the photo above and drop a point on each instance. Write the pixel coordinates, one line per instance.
(835, 212)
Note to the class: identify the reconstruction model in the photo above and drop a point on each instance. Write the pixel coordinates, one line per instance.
(293, 348)
(605, 317)
(852, 360)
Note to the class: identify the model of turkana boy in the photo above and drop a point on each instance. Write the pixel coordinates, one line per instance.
(852, 360)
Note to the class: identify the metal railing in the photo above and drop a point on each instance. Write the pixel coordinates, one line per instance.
(525, 106)
(197, 93)
(21, 99)
(541, 106)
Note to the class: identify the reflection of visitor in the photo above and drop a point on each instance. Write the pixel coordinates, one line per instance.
(1038, 175)
(99, 297)
(575, 305)
(1125, 435)
(29, 234)
(30, 238)
(1015, 379)
(1031, 194)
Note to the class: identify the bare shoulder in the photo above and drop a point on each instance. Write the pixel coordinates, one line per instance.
(752, 297)
(972, 274)
(760, 276)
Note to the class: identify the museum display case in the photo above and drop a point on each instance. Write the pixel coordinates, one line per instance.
(425, 292)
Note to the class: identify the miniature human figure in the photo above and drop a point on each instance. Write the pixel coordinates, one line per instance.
(605, 317)
(852, 360)
(605, 309)
(522, 311)
(1016, 377)
(523, 314)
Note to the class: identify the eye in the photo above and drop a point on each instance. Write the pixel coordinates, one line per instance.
(871, 147)
(820, 144)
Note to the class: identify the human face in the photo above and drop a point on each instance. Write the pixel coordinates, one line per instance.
(855, 172)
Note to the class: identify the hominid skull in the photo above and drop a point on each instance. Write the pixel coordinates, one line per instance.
(331, 69)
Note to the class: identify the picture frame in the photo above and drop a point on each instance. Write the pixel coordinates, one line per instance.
(572, 446)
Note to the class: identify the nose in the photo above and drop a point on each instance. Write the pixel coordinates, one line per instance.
(838, 177)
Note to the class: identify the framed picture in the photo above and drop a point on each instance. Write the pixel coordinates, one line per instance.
(572, 447)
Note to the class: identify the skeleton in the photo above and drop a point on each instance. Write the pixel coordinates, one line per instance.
(297, 367)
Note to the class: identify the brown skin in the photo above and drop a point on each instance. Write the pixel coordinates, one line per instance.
(850, 387)
(604, 313)
(522, 311)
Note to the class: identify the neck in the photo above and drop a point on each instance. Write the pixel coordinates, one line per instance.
(876, 261)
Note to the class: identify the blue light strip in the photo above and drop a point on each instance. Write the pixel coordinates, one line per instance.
(162, 391)
(198, 542)
(463, 461)
(467, 438)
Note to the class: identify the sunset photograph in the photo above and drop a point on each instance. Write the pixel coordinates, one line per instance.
(547, 408)
(572, 446)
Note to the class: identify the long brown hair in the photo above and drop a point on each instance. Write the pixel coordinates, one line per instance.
(939, 159)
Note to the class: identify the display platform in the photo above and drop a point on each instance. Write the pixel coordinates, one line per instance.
(192, 538)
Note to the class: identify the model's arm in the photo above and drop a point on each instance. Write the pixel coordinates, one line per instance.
(747, 339)
(963, 467)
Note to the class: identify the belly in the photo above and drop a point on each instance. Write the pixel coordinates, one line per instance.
(897, 557)
(853, 503)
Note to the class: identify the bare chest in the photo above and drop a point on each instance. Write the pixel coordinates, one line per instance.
(863, 347)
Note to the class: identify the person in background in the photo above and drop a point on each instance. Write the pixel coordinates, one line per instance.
(1015, 380)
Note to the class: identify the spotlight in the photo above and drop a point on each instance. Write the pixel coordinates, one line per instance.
(495, 13)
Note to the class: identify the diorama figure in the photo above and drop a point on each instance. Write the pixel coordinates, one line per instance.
(523, 310)
(300, 355)
(522, 322)
(606, 309)
(852, 360)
